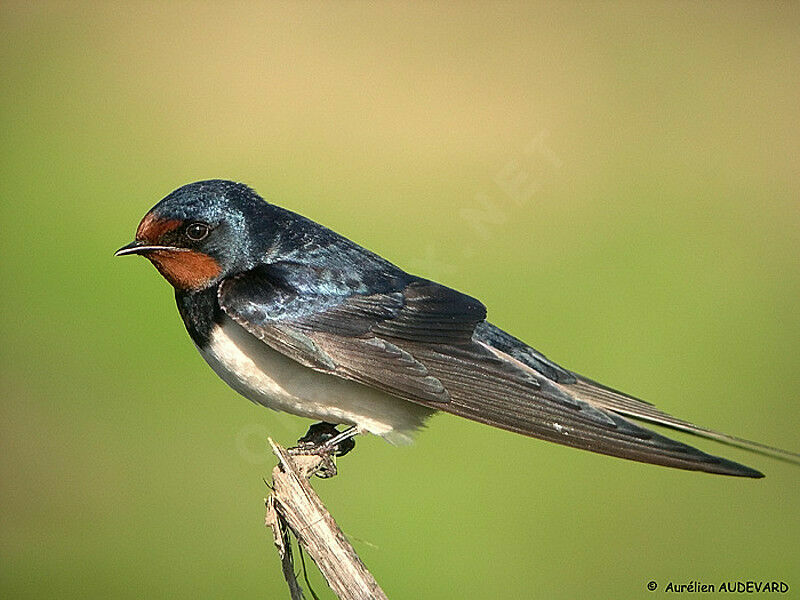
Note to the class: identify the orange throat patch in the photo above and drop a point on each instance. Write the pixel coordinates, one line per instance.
(185, 269)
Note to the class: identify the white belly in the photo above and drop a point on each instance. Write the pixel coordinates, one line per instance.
(267, 377)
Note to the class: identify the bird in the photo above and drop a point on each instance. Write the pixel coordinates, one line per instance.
(298, 318)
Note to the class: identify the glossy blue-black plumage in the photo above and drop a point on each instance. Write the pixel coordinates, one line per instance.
(248, 231)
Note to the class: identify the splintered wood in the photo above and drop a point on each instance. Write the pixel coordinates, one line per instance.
(293, 507)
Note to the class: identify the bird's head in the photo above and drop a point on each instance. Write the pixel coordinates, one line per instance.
(200, 233)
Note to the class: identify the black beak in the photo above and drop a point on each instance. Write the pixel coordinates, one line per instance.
(137, 247)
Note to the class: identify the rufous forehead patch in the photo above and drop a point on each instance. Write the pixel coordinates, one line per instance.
(152, 228)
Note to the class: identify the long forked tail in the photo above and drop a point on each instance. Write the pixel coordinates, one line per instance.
(618, 407)
(629, 406)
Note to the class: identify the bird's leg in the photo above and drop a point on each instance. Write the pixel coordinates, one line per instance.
(343, 442)
(324, 440)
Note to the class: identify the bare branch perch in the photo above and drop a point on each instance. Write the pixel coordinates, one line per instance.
(294, 506)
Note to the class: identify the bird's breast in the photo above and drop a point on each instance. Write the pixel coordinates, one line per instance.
(267, 377)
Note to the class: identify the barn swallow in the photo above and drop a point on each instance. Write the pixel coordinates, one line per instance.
(300, 319)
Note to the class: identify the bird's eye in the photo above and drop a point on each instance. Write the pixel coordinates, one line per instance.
(197, 231)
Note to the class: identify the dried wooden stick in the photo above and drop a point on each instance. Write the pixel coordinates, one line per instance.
(294, 506)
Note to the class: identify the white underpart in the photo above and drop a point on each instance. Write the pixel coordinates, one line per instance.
(267, 377)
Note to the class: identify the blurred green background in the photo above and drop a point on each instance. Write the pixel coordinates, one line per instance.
(618, 183)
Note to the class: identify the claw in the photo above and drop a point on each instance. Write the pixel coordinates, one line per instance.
(323, 439)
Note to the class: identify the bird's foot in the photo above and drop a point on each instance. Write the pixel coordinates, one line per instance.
(324, 438)
(327, 442)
